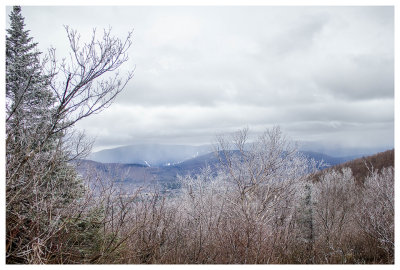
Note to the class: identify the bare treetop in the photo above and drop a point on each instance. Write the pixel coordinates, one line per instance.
(79, 83)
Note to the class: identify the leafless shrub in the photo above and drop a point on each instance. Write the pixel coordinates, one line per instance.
(375, 215)
(349, 222)
(242, 214)
(334, 199)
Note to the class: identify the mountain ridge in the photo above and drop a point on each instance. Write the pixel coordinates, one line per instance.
(362, 166)
(133, 175)
(150, 154)
(155, 155)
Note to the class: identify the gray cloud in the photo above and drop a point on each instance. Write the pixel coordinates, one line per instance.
(322, 73)
(361, 77)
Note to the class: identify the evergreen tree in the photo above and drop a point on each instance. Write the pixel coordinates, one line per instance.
(39, 179)
(46, 202)
(29, 98)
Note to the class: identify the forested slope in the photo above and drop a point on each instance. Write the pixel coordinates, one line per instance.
(362, 167)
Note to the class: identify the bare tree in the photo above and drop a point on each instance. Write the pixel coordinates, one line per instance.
(253, 197)
(334, 198)
(79, 83)
(375, 215)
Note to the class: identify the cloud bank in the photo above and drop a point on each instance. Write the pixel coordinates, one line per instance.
(322, 73)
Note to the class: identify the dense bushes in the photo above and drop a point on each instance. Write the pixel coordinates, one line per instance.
(262, 207)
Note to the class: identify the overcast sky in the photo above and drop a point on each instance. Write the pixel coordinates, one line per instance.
(324, 74)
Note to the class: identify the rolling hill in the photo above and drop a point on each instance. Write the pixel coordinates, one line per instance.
(361, 166)
(133, 175)
(152, 155)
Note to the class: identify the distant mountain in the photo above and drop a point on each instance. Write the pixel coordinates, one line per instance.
(328, 160)
(152, 155)
(361, 166)
(156, 155)
(133, 175)
(195, 164)
(128, 176)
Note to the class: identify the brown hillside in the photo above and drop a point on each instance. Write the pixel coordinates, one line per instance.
(361, 166)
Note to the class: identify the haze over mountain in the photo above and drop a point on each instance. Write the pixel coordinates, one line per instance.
(337, 150)
(155, 155)
(140, 165)
(150, 154)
